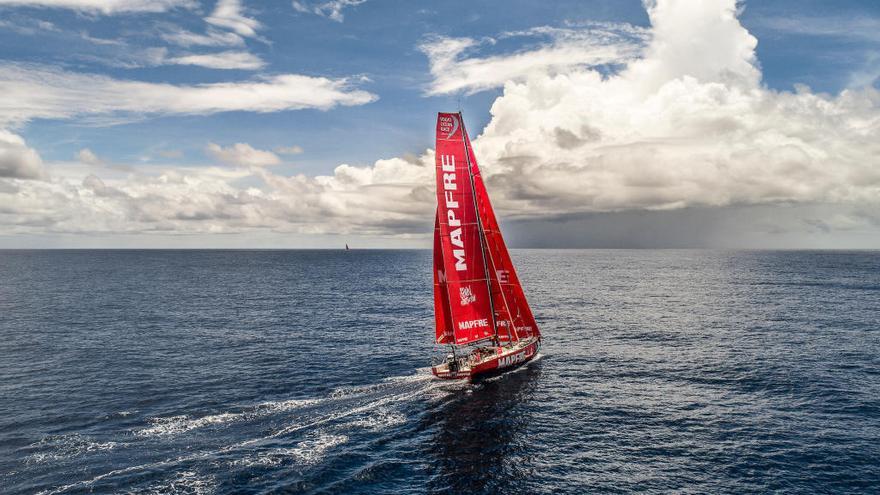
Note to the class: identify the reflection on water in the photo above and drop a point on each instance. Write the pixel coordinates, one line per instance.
(479, 433)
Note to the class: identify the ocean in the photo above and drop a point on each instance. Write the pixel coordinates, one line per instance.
(220, 372)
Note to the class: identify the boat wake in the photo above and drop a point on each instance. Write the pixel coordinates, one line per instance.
(294, 432)
(172, 425)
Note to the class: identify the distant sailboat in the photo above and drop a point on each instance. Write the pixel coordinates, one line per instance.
(346, 247)
(479, 306)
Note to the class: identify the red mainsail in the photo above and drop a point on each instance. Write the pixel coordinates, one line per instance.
(461, 245)
(477, 292)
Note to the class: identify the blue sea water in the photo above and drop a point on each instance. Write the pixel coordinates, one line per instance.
(667, 371)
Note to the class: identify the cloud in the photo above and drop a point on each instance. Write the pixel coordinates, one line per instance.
(856, 27)
(221, 60)
(389, 197)
(242, 154)
(289, 150)
(567, 50)
(31, 91)
(683, 126)
(212, 37)
(332, 9)
(228, 14)
(28, 26)
(107, 7)
(88, 157)
(17, 160)
(687, 124)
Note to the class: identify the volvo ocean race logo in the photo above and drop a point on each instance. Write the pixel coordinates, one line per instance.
(467, 295)
(449, 124)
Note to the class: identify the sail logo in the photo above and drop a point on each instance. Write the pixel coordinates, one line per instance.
(467, 295)
(467, 325)
(448, 124)
(447, 165)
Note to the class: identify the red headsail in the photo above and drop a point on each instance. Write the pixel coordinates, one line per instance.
(512, 312)
(477, 294)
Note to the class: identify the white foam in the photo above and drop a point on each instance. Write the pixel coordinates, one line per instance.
(311, 451)
(172, 425)
(286, 405)
(179, 424)
(421, 375)
(65, 447)
(184, 483)
(382, 419)
(357, 410)
(307, 452)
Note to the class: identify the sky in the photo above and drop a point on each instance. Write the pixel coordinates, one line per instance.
(309, 123)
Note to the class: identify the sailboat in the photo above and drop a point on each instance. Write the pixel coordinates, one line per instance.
(480, 309)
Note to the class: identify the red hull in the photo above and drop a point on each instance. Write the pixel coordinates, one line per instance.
(498, 363)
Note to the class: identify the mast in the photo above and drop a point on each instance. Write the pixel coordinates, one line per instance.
(467, 157)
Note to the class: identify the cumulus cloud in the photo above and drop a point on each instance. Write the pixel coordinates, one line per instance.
(686, 124)
(28, 92)
(209, 200)
(242, 154)
(222, 60)
(332, 9)
(107, 7)
(88, 157)
(17, 160)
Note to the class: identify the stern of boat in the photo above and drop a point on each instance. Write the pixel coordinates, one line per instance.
(443, 371)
